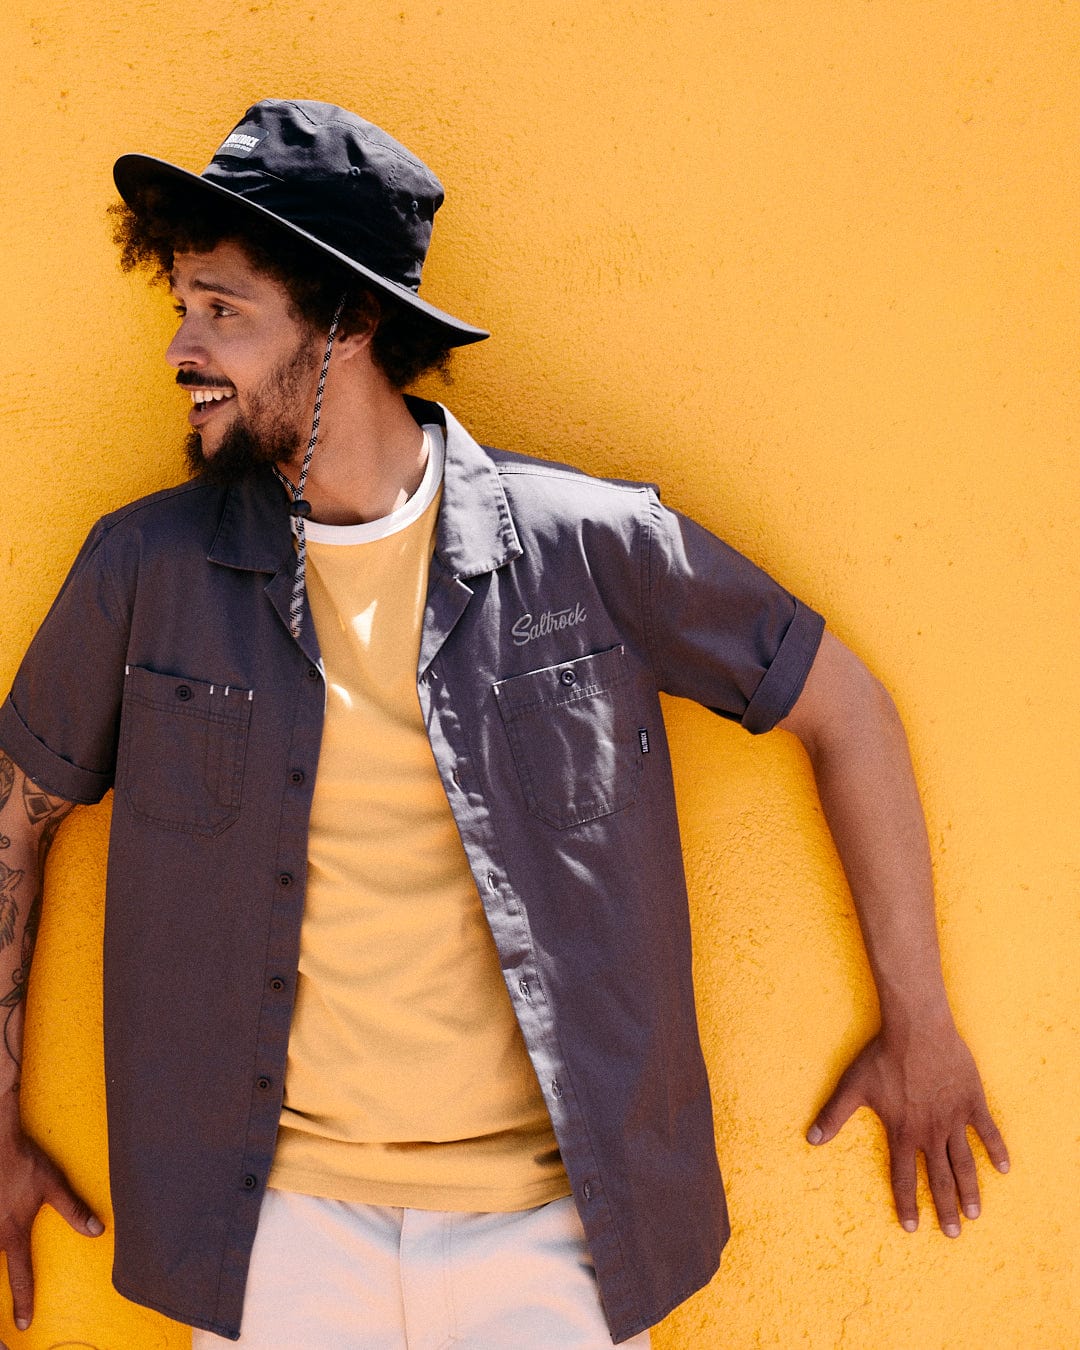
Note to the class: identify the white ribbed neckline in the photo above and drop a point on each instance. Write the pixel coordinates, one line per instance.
(370, 530)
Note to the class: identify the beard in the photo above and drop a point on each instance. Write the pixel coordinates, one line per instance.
(267, 434)
(242, 450)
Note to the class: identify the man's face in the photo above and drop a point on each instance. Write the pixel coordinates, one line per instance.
(249, 363)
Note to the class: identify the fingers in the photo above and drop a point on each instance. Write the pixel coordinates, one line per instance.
(953, 1179)
(70, 1207)
(991, 1137)
(943, 1189)
(963, 1170)
(32, 1179)
(944, 1180)
(21, 1279)
(836, 1112)
(902, 1173)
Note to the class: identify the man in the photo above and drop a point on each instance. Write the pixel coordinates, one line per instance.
(400, 1040)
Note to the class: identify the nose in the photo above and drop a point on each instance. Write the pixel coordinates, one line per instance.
(185, 349)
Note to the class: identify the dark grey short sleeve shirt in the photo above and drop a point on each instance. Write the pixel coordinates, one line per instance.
(559, 608)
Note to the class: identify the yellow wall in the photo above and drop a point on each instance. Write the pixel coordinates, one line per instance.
(811, 264)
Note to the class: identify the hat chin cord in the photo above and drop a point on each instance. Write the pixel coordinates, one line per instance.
(300, 509)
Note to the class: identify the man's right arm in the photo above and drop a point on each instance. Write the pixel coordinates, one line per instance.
(29, 819)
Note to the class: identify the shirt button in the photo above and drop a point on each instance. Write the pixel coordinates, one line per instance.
(491, 882)
(586, 1191)
(277, 984)
(297, 776)
(556, 1091)
(526, 992)
(263, 1084)
(285, 878)
(184, 693)
(567, 677)
(251, 1182)
(313, 672)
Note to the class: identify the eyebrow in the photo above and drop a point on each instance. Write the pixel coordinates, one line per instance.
(217, 287)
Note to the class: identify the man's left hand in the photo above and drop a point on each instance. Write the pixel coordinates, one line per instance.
(926, 1090)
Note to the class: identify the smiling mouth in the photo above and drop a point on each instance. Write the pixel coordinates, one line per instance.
(200, 397)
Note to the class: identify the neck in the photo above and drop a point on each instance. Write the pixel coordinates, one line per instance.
(370, 456)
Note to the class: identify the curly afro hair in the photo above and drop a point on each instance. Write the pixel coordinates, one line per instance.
(165, 221)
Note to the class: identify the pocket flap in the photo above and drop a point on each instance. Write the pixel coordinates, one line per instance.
(183, 694)
(564, 683)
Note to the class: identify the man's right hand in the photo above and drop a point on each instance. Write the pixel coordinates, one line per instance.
(29, 1179)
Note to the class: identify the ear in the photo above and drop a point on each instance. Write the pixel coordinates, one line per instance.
(349, 345)
(359, 321)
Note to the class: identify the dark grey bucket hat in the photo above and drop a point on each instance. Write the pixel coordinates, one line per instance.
(327, 176)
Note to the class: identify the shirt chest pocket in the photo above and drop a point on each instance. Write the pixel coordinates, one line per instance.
(574, 734)
(182, 748)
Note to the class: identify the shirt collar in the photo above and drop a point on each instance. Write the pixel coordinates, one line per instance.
(475, 532)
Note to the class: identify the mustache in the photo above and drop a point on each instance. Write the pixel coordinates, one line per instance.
(188, 379)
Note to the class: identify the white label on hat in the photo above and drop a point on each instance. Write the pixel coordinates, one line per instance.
(241, 142)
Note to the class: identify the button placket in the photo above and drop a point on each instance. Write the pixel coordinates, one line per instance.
(281, 900)
(496, 883)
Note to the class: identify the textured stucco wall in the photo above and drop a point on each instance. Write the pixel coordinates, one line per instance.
(811, 265)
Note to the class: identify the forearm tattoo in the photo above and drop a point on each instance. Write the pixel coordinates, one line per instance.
(47, 812)
(9, 907)
(7, 782)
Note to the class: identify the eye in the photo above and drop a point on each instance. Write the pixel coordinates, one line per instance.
(222, 311)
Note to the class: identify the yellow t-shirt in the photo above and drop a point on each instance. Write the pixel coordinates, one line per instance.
(408, 1082)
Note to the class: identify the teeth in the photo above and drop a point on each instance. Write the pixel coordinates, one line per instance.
(202, 396)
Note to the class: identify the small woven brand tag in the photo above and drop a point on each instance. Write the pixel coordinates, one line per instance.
(241, 143)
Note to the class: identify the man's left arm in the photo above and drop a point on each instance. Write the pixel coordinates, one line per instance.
(916, 1073)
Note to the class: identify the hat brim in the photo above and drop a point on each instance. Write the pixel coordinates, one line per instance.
(132, 173)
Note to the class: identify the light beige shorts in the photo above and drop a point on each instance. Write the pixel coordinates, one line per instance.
(328, 1275)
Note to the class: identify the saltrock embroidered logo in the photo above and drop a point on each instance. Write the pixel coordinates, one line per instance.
(551, 621)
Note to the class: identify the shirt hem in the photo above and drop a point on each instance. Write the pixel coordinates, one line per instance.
(624, 1330)
(225, 1329)
(399, 1195)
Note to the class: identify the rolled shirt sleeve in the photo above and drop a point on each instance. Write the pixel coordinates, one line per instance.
(722, 631)
(59, 722)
